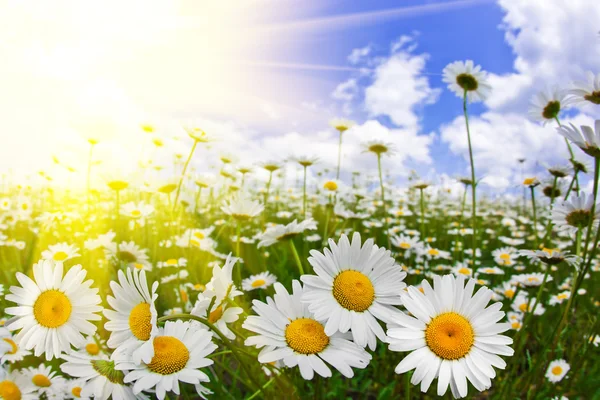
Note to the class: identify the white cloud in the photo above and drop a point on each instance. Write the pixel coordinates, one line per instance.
(346, 91)
(358, 55)
(555, 42)
(399, 89)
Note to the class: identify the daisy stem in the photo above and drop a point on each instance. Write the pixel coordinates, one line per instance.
(570, 186)
(422, 203)
(473, 182)
(185, 166)
(337, 174)
(549, 226)
(197, 199)
(304, 194)
(593, 209)
(268, 188)
(266, 385)
(408, 385)
(297, 258)
(572, 162)
(238, 232)
(532, 188)
(223, 338)
(383, 198)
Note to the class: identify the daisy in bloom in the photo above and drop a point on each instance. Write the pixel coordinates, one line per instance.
(213, 303)
(60, 252)
(242, 208)
(10, 351)
(278, 233)
(407, 244)
(132, 322)
(15, 386)
(341, 125)
(546, 105)
(587, 139)
(466, 79)
(180, 349)
(97, 377)
(451, 334)
(102, 241)
(549, 256)
(587, 92)
(53, 311)
(575, 214)
(137, 211)
(559, 298)
(130, 254)
(289, 332)
(530, 280)
(45, 380)
(260, 281)
(172, 262)
(524, 304)
(504, 256)
(354, 287)
(557, 370)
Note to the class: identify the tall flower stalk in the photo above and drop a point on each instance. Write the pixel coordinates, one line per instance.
(341, 126)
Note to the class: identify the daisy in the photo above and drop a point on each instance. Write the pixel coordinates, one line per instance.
(278, 233)
(546, 105)
(587, 92)
(407, 244)
(137, 211)
(45, 380)
(10, 351)
(214, 303)
(53, 311)
(379, 148)
(575, 214)
(341, 125)
(557, 370)
(354, 287)
(130, 254)
(524, 304)
(451, 334)
(260, 281)
(172, 262)
(491, 271)
(530, 280)
(180, 349)
(504, 256)
(132, 322)
(587, 139)
(288, 331)
(97, 377)
(60, 252)
(15, 385)
(242, 208)
(466, 79)
(559, 298)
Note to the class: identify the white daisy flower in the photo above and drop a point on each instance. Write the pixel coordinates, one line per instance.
(550, 256)
(45, 380)
(278, 233)
(130, 254)
(214, 303)
(354, 287)
(546, 105)
(587, 92)
(524, 304)
(53, 311)
(60, 252)
(242, 207)
(587, 139)
(180, 349)
(504, 256)
(10, 351)
(575, 213)
(451, 334)
(132, 322)
(530, 280)
(97, 377)
(340, 124)
(259, 281)
(557, 370)
(407, 244)
(464, 77)
(288, 332)
(15, 385)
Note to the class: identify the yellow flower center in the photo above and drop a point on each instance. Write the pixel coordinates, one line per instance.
(529, 181)
(184, 295)
(13, 345)
(505, 256)
(405, 245)
(92, 348)
(557, 370)
(52, 309)
(118, 185)
(450, 336)
(509, 293)
(199, 286)
(330, 185)
(136, 213)
(171, 262)
(41, 380)
(258, 283)
(516, 325)
(138, 266)
(353, 290)
(170, 355)
(215, 315)
(60, 256)
(9, 391)
(433, 252)
(306, 336)
(76, 391)
(464, 271)
(523, 307)
(199, 235)
(140, 321)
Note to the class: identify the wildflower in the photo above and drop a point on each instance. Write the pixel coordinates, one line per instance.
(451, 335)
(587, 92)
(587, 139)
(242, 208)
(546, 105)
(260, 281)
(557, 370)
(60, 252)
(280, 233)
(575, 214)
(464, 78)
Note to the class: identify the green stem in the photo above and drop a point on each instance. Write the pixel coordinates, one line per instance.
(266, 385)
(304, 194)
(337, 174)
(535, 233)
(185, 166)
(422, 204)
(385, 219)
(473, 181)
(297, 258)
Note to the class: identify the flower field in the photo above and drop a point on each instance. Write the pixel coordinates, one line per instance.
(230, 287)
